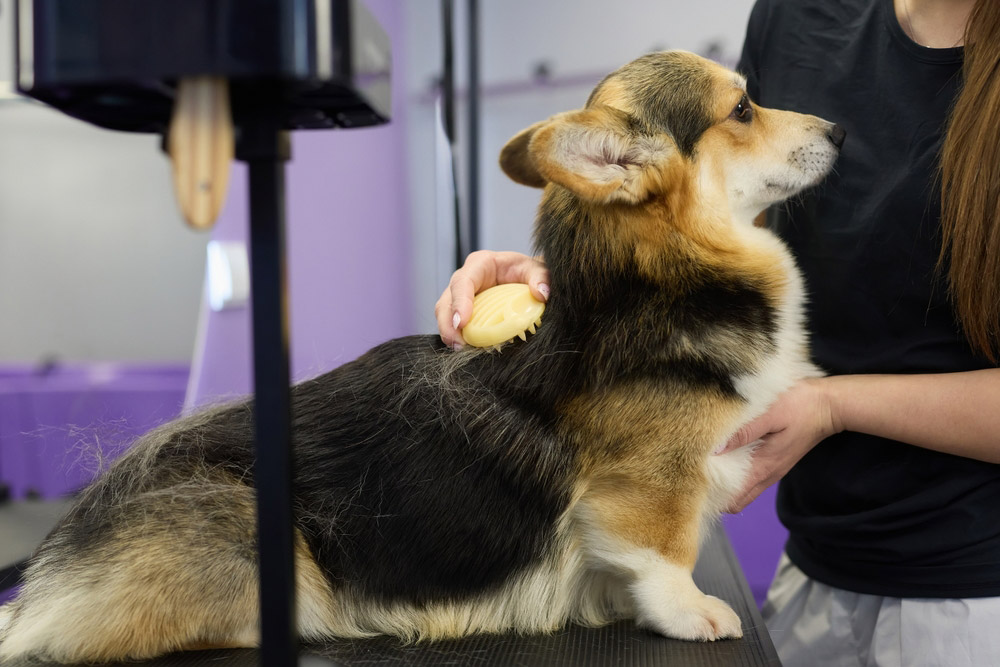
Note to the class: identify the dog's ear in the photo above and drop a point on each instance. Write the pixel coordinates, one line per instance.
(598, 153)
(516, 160)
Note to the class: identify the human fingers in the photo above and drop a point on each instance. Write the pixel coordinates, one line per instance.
(447, 322)
(747, 434)
(763, 474)
(513, 267)
(744, 500)
(481, 270)
(454, 308)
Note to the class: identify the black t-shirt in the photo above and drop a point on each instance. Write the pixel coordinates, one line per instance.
(864, 513)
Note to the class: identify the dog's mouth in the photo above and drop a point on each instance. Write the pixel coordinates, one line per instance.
(807, 171)
(776, 188)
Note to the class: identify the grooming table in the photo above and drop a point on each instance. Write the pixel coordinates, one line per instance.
(620, 644)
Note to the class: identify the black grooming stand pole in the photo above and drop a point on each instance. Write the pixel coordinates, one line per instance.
(290, 64)
(264, 146)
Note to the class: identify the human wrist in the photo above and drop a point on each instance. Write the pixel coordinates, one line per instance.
(831, 392)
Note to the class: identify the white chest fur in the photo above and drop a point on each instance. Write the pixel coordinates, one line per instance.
(781, 368)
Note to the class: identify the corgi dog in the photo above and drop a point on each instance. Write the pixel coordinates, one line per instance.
(568, 478)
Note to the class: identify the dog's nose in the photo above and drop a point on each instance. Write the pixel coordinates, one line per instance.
(836, 135)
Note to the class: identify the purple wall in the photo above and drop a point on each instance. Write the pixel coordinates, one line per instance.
(62, 424)
(59, 425)
(348, 247)
(758, 539)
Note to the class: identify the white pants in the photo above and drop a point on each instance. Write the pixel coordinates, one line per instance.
(815, 625)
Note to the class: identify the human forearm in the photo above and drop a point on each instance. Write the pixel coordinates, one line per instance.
(957, 413)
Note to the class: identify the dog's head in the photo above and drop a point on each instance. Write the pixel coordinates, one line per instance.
(674, 116)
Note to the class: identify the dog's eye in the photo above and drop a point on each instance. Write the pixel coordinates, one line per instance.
(743, 111)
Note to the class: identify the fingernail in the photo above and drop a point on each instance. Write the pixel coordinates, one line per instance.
(720, 449)
(457, 347)
(544, 289)
(456, 320)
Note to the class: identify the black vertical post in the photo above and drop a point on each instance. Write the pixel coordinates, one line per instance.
(472, 192)
(265, 148)
(448, 104)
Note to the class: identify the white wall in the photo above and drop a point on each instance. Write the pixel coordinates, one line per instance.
(95, 261)
(580, 41)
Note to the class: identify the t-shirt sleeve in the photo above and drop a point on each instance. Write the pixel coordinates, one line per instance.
(750, 58)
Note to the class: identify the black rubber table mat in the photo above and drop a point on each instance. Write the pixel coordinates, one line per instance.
(620, 644)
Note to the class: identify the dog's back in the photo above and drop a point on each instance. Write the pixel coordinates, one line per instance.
(417, 486)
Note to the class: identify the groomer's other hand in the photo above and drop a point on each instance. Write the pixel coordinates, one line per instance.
(483, 269)
(797, 422)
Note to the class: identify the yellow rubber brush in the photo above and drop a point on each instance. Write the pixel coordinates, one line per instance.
(500, 313)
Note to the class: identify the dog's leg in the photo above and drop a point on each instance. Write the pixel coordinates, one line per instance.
(635, 530)
(158, 594)
(141, 609)
(183, 575)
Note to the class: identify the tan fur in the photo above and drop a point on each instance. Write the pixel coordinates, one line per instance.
(142, 608)
(612, 92)
(165, 592)
(643, 450)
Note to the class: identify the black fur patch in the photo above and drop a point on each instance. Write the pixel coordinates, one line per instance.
(623, 324)
(416, 482)
(419, 476)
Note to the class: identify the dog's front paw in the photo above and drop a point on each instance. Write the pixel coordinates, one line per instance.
(701, 619)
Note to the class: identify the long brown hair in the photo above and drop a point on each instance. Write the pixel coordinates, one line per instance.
(970, 180)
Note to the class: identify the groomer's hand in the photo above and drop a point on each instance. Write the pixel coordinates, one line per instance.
(483, 269)
(797, 422)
